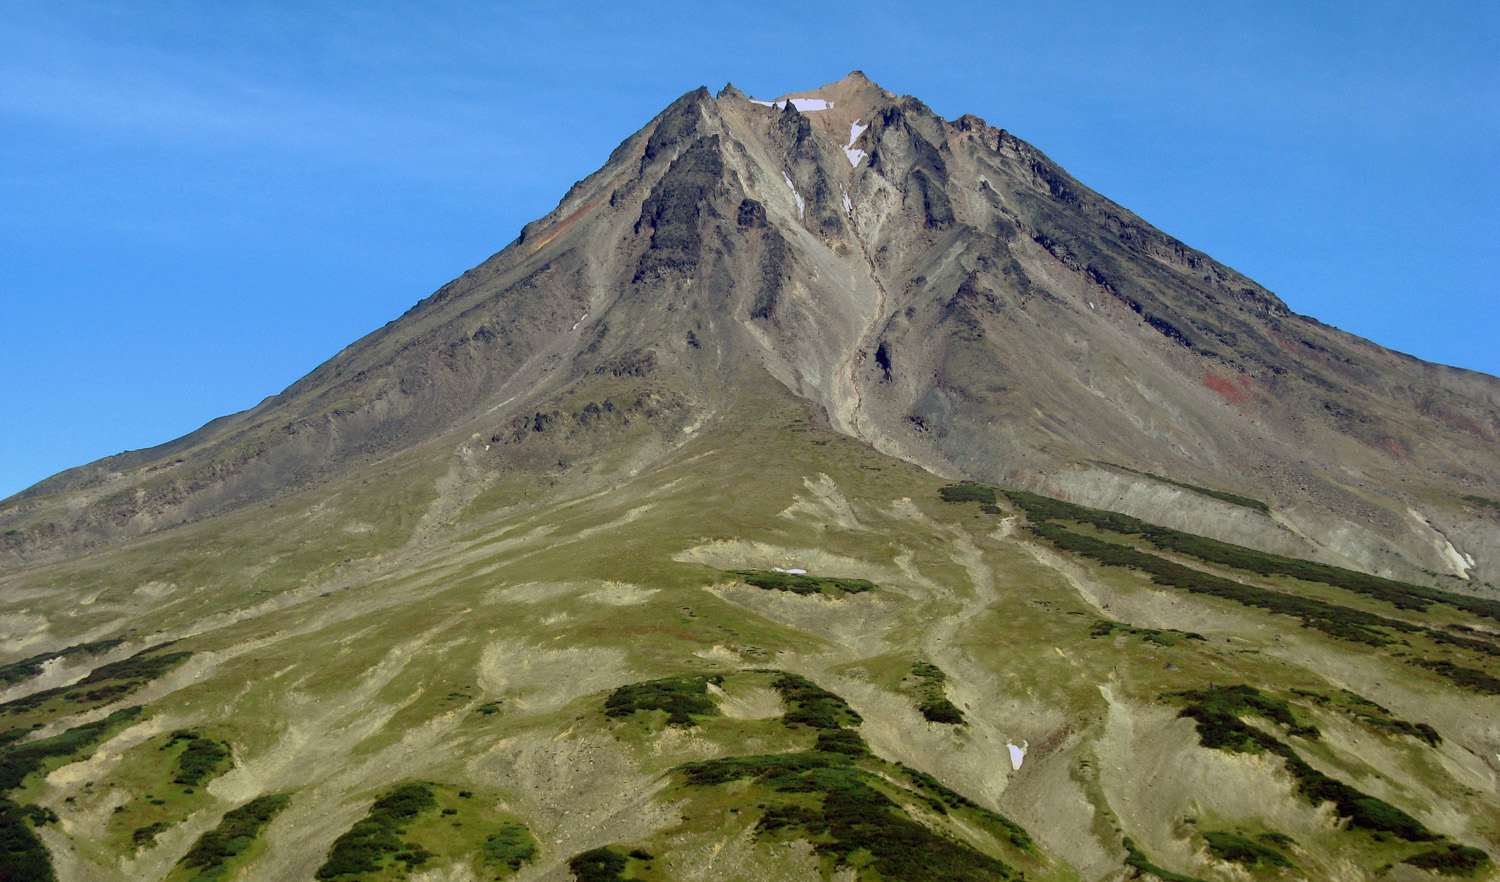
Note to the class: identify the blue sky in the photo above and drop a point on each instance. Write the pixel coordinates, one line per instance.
(200, 202)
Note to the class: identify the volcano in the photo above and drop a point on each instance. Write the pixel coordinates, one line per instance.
(824, 489)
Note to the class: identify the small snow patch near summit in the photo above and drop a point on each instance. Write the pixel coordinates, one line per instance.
(803, 104)
(854, 153)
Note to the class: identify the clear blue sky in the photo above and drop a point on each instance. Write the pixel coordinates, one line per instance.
(200, 202)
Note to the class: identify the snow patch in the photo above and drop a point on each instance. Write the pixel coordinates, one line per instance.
(1017, 754)
(1460, 562)
(803, 104)
(793, 572)
(795, 195)
(580, 321)
(855, 154)
(848, 205)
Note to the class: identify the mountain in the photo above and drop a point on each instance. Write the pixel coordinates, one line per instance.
(824, 488)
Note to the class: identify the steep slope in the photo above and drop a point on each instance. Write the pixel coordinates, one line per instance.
(940, 289)
(639, 552)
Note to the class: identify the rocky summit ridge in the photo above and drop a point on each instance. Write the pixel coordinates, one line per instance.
(823, 489)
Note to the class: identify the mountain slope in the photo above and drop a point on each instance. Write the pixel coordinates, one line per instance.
(495, 590)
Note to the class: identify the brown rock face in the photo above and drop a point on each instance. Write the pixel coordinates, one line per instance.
(939, 289)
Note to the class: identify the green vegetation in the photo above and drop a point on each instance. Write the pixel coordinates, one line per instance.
(107, 682)
(376, 840)
(1217, 713)
(22, 854)
(942, 799)
(1481, 501)
(26, 668)
(967, 492)
(1134, 857)
(1236, 701)
(1402, 595)
(144, 836)
(1453, 860)
(932, 700)
(19, 760)
(800, 584)
(211, 855)
(1106, 628)
(1232, 847)
(508, 848)
(1469, 678)
(1374, 715)
(1338, 621)
(1221, 495)
(809, 704)
(847, 802)
(201, 760)
(824, 798)
(599, 865)
(681, 697)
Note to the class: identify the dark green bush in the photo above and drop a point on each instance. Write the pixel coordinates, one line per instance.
(967, 492)
(236, 832)
(202, 760)
(22, 854)
(598, 865)
(932, 700)
(372, 841)
(17, 760)
(681, 697)
(1454, 860)
(809, 704)
(1134, 857)
(1230, 847)
(802, 584)
(26, 668)
(509, 847)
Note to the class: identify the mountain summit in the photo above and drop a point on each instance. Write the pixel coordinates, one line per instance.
(937, 289)
(823, 489)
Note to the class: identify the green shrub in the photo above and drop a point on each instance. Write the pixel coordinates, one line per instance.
(367, 846)
(202, 760)
(681, 697)
(932, 701)
(106, 682)
(967, 491)
(803, 584)
(1216, 712)
(236, 832)
(26, 668)
(1454, 860)
(17, 760)
(809, 704)
(509, 847)
(1230, 847)
(1134, 857)
(22, 854)
(598, 865)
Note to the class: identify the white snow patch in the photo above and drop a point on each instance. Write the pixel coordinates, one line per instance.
(580, 321)
(848, 205)
(1460, 562)
(803, 104)
(795, 195)
(1017, 753)
(1091, 304)
(797, 572)
(855, 154)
